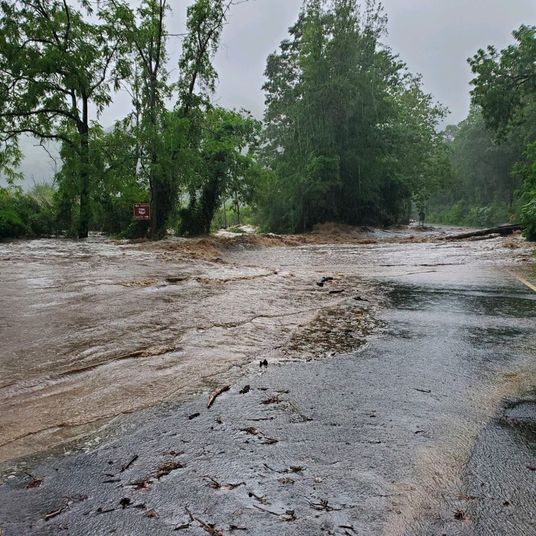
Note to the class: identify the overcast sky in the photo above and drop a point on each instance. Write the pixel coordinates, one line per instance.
(434, 38)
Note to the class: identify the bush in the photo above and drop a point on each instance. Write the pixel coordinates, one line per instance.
(528, 219)
(26, 215)
(12, 224)
(472, 216)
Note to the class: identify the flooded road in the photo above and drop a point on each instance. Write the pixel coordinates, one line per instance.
(91, 331)
(428, 429)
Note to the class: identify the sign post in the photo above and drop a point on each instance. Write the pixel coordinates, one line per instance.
(142, 211)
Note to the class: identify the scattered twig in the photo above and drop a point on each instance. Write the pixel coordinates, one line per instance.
(427, 391)
(261, 435)
(215, 394)
(323, 505)
(272, 400)
(55, 513)
(460, 515)
(34, 482)
(209, 528)
(167, 468)
(101, 510)
(128, 465)
(124, 502)
(262, 499)
(194, 416)
(289, 515)
(214, 484)
(295, 469)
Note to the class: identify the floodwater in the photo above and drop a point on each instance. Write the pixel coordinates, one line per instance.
(94, 330)
(427, 429)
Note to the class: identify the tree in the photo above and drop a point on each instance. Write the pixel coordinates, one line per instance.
(167, 137)
(145, 33)
(55, 65)
(482, 191)
(349, 133)
(505, 88)
(226, 164)
(505, 82)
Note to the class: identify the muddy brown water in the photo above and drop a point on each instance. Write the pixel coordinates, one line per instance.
(94, 330)
(391, 440)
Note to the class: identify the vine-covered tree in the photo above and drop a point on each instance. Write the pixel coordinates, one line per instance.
(166, 138)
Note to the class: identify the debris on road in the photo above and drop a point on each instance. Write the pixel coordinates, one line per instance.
(215, 394)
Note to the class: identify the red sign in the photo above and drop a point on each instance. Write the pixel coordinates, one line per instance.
(142, 211)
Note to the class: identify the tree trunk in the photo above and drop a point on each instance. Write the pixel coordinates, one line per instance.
(237, 204)
(503, 230)
(85, 212)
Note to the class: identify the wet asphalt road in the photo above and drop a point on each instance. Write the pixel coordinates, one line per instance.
(428, 430)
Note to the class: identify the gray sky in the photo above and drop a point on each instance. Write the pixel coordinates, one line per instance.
(434, 37)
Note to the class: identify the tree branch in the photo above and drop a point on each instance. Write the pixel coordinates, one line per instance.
(11, 134)
(53, 111)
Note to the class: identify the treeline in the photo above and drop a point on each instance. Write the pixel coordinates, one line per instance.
(493, 152)
(348, 135)
(62, 61)
(483, 187)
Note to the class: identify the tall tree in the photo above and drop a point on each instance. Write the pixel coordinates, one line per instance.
(336, 105)
(57, 59)
(166, 136)
(505, 89)
(225, 165)
(145, 31)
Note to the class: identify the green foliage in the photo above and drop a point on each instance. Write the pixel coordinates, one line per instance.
(27, 215)
(505, 88)
(481, 190)
(526, 170)
(54, 64)
(117, 185)
(350, 136)
(168, 142)
(461, 213)
(225, 170)
(506, 81)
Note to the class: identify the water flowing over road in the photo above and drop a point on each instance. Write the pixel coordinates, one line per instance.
(429, 428)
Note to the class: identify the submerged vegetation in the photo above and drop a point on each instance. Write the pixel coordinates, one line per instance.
(348, 136)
